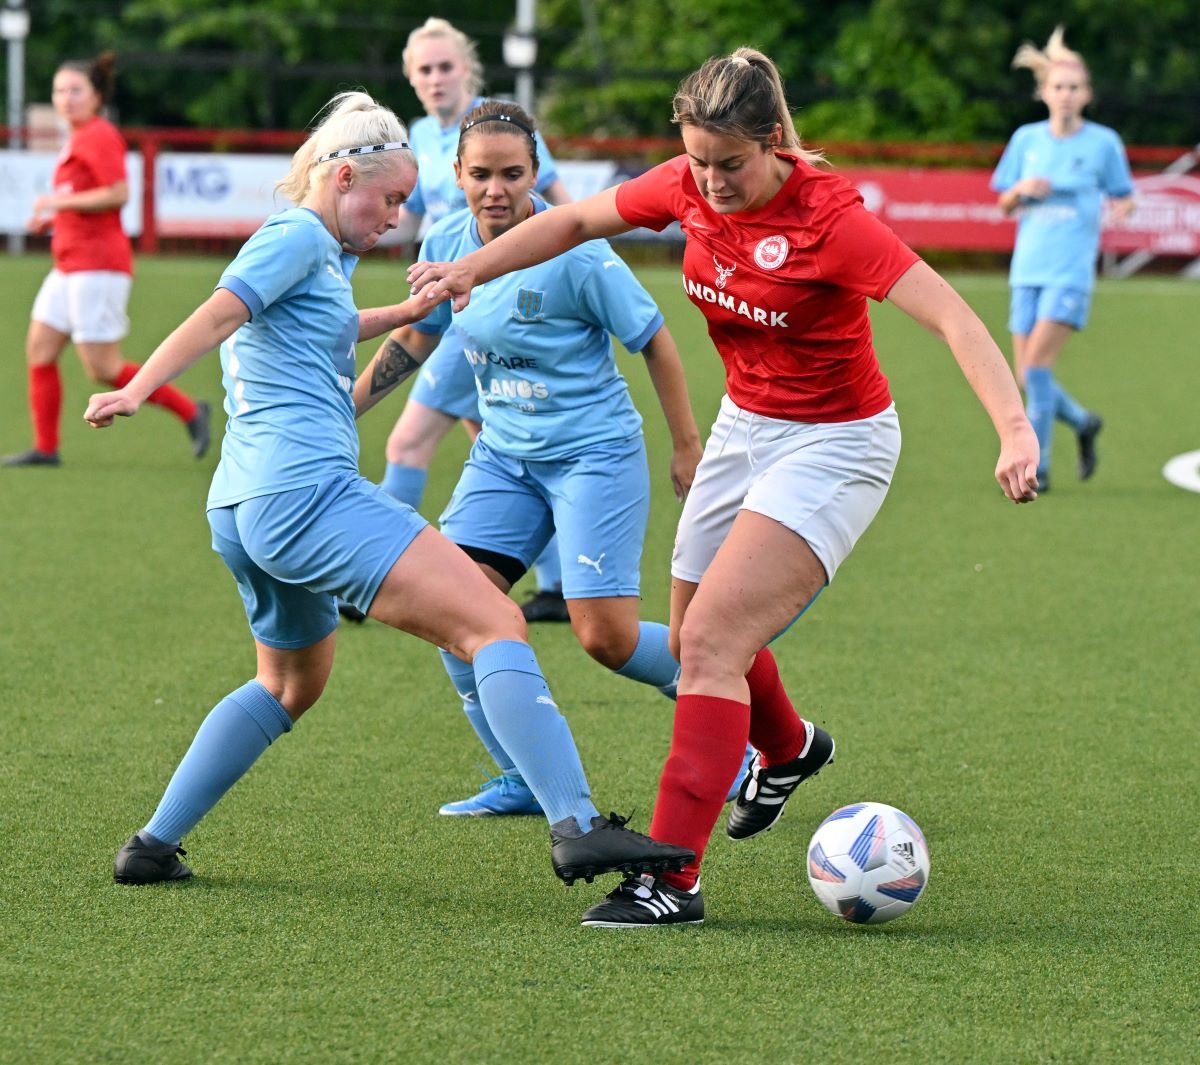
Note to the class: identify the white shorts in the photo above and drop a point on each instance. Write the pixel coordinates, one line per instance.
(823, 480)
(87, 305)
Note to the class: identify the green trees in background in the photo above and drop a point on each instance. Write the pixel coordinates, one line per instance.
(933, 70)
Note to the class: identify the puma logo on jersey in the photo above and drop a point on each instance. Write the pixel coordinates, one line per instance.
(545, 700)
(608, 262)
(723, 272)
(583, 560)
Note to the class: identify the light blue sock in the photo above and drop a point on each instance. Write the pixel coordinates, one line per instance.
(652, 662)
(1067, 409)
(524, 718)
(405, 483)
(547, 568)
(462, 676)
(229, 741)
(1040, 388)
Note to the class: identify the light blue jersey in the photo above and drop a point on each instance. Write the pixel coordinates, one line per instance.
(289, 371)
(1058, 238)
(538, 341)
(437, 192)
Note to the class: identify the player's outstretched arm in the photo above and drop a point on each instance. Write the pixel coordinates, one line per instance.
(398, 358)
(539, 238)
(928, 299)
(375, 321)
(213, 322)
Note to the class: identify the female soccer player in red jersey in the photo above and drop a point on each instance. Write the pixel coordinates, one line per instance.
(84, 297)
(780, 258)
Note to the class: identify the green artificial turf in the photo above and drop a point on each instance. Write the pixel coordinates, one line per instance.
(1021, 680)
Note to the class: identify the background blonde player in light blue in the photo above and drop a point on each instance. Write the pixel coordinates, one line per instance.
(442, 65)
(561, 446)
(298, 526)
(1055, 175)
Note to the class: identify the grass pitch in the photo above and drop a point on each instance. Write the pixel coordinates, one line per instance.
(1021, 680)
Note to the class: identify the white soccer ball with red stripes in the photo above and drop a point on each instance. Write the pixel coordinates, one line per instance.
(868, 862)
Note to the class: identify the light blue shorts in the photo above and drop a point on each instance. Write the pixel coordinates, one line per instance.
(292, 553)
(1031, 305)
(446, 381)
(598, 502)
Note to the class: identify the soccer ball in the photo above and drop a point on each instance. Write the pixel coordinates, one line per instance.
(868, 862)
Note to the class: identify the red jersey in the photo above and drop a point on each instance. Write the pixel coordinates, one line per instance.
(784, 288)
(83, 240)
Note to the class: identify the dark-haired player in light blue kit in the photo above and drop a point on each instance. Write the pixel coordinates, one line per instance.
(1056, 174)
(298, 526)
(441, 64)
(561, 446)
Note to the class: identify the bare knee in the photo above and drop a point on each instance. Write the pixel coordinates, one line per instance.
(610, 645)
(501, 620)
(414, 438)
(707, 651)
(294, 693)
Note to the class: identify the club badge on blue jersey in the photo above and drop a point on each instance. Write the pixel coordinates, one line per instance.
(529, 305)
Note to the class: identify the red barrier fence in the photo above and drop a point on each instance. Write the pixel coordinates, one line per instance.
(935, 196)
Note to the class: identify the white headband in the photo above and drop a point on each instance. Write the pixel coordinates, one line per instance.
(366, 149)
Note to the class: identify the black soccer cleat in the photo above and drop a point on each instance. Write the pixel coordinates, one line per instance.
(767, 787)
(1086, 438)
(545, 606)
(610, 847)
(646, 902)
(139, 862)
(32, 457)
(200, 428)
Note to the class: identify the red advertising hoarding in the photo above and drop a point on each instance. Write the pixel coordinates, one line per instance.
(955, 209)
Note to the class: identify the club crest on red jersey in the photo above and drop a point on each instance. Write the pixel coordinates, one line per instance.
(771, 252)
(723, 272)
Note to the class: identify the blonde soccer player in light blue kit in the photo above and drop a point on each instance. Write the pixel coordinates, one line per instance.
(298, 526)
(1055, 175)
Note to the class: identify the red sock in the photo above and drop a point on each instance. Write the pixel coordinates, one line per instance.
(776, 730)
(707, 744)
(45, 405)
(183, 407)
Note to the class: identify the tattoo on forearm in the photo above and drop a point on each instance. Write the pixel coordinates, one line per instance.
(393, 366)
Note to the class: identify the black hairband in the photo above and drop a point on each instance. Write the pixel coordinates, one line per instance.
(506, 119)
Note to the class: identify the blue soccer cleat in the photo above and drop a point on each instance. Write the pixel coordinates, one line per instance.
(504, 796)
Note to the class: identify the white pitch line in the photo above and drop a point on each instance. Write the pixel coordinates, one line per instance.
(1184, 471)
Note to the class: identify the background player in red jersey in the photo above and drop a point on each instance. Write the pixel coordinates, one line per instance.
(781, 257)
(85, 296)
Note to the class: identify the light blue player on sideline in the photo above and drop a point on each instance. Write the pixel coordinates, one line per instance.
(442, 65)
(298, 526)
(561, 446)
(1055, 175)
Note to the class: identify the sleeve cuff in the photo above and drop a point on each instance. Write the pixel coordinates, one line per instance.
(243, 292)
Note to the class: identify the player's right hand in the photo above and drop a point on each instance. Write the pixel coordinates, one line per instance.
(103, 407)
(437, 281)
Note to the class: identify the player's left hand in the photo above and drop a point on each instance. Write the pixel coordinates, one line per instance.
(1016, 469)
(103, 407)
